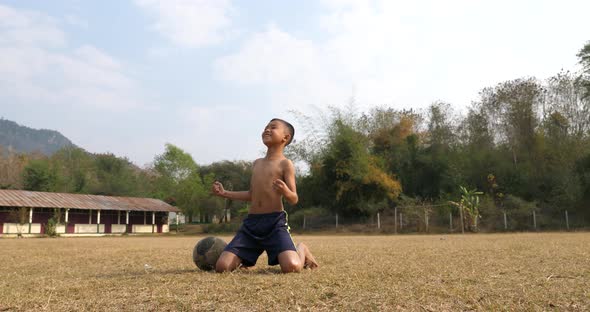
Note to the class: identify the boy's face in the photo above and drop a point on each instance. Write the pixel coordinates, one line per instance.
(275, 133)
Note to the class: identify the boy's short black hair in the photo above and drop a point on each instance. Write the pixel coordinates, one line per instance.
(289, 126)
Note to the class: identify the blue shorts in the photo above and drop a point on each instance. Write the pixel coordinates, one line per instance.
(262, 232)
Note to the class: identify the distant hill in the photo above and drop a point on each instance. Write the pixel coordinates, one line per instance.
(26, 140)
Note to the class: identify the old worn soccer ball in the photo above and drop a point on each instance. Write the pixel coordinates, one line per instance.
(207, 251)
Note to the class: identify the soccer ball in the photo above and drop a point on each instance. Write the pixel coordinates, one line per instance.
(207, 251)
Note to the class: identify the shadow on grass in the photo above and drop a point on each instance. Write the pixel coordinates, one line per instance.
(155, 272)
(264, 271)
(138, 273)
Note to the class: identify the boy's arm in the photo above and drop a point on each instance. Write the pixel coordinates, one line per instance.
(288, 187)
(218, 190)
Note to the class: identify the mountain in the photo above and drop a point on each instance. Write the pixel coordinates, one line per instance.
(23, 139)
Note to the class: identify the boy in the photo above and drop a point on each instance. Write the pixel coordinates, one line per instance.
(265, 228)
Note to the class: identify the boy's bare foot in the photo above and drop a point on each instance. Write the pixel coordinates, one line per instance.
(310, 261)
(245, 268)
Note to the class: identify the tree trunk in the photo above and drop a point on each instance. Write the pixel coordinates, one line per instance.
(514, 158)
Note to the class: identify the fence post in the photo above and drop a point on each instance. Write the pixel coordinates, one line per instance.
(462, 222)
(450, 221)
(336, 220)
(395, 220)
(567, 221)
(426, 219)
(534, 220)
(378, 221)
(401, 221)
(303, 222)
(505, 221)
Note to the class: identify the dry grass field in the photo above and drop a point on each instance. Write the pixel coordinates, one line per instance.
(531, 272)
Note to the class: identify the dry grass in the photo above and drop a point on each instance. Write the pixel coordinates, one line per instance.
(358, 273)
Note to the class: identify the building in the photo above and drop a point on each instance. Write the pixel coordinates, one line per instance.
(28, 213)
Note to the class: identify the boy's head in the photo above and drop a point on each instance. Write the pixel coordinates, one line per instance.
(289, 129)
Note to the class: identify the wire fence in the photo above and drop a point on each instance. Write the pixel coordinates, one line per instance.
(428, 220)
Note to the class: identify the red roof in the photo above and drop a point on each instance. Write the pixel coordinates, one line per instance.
(17, 198)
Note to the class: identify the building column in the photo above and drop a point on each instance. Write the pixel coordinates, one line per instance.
(118, 217)
(144, 217)
(67, 215)
(126, 220)
(90, 216)
(30, 218)
(98, 222)
(153, 220)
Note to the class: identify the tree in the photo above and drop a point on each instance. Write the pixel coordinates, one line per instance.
(235, 175)
(515, 103)
(39, 176)
(388, 131)
(582, 169)
(440, 150)
(477, 152)
(441, 131)
(11, 168)
(189, 194)
(175, 163)
(564, 95)
(512, 108)
(355, 176)
(115, 176)
(178, 180)
(584, 79)
(77, 170)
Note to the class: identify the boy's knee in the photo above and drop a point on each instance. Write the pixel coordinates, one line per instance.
(227, 262)
(291, 266)
(223, 265)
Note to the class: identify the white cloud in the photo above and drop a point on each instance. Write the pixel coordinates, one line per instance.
(28, 27)
(407, 54)
(344, 4)
(294, 69)
(76, 21)
(229, 130)
(37, 66)
(191, 23)
(280, 56)
(100, 59)
(363, 57)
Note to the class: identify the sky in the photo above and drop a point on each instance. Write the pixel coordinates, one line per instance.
(127, 77)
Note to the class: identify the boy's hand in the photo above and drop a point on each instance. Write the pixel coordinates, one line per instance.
(280, 186)
(217, 188)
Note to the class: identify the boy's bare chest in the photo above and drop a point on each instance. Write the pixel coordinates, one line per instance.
(267, 170)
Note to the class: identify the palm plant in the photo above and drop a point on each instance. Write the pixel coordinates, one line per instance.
(468, 207)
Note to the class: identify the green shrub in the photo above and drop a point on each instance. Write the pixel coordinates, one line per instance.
(51, 228)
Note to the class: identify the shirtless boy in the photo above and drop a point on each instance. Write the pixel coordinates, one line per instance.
(265, 228)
